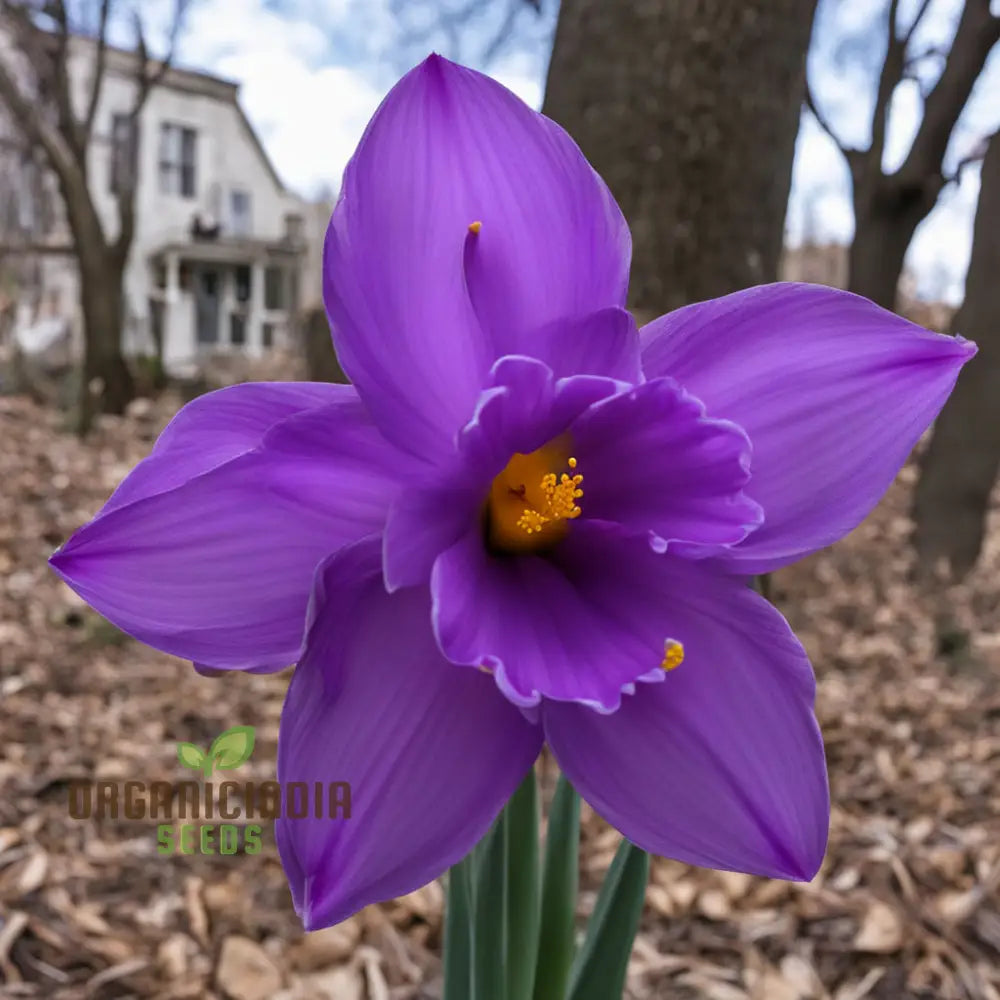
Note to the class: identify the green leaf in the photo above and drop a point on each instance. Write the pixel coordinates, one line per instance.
(489, 900)
(599, 971)
(190, 756)
(560, 883)
(232, 748)
(522, 888)
(458, 932)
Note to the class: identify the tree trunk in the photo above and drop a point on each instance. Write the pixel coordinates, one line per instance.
(960, 466)
(107, 385)
(884, 223)
(690, 112)
(875, 259)
(317, 344)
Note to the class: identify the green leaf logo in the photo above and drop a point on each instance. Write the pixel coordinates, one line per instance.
(190, 756)
(230, 749)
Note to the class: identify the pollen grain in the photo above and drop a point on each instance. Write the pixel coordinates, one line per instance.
(673, 654)
(559, 501)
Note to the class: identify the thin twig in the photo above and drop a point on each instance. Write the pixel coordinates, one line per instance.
(823, 122)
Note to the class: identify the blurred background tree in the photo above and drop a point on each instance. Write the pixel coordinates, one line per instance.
(960, 467)
(38, 98)
(689, 112)
(889, 205)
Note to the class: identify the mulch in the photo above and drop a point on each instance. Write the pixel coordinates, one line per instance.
(907, 904)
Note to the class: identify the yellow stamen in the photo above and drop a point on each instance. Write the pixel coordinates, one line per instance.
(474, 227)
(673, 654)
(558, 501)
(529, 506)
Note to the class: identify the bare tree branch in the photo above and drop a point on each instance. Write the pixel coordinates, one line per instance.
(977, 33)
(824, 124)
(98, 77)
(503, 32)
(977, 155)
(915, 23)
(889, 79)
(454, 20)
(57, 74)
(34, 125)
(933, 51)
(146, 77)
(146, 80)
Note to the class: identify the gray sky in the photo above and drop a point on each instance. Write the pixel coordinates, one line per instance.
(313, 71)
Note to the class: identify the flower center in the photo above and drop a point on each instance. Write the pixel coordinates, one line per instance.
(530, 505)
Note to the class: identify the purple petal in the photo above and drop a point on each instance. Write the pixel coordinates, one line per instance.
(432, 752)
(600, 343)
(219, 569)
(553, 243)
(581, 623)
(832, 390)
(522, 408)
(448, 148)
(422, 523)
(653, 462)
(216, 427)
(525, 407)
(394, 285)
(722, 765)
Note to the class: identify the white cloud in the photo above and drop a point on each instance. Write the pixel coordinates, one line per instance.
(309, 114)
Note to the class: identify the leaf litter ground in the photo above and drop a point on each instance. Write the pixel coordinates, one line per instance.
(906, 905)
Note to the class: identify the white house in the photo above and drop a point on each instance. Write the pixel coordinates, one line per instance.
(223, 255)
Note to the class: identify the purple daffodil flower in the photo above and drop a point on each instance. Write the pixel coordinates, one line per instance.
(521, 518)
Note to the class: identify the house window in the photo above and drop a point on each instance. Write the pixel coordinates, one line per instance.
(122, 144)
(267, 334)
(242, 283)
(177, 160)
(294, 228)
(239, 212)
(237, 328)
(274, 288)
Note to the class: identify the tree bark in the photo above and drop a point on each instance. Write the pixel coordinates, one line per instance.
(690, 112)
(317, 344)
(889, 207)
(885, 222)
(108, 386)
(960, 466)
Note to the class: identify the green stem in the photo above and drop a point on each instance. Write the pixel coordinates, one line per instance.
(458, 933)
(522, 889)
(560, 884)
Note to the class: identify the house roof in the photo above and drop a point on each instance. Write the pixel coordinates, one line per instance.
(191, 81)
